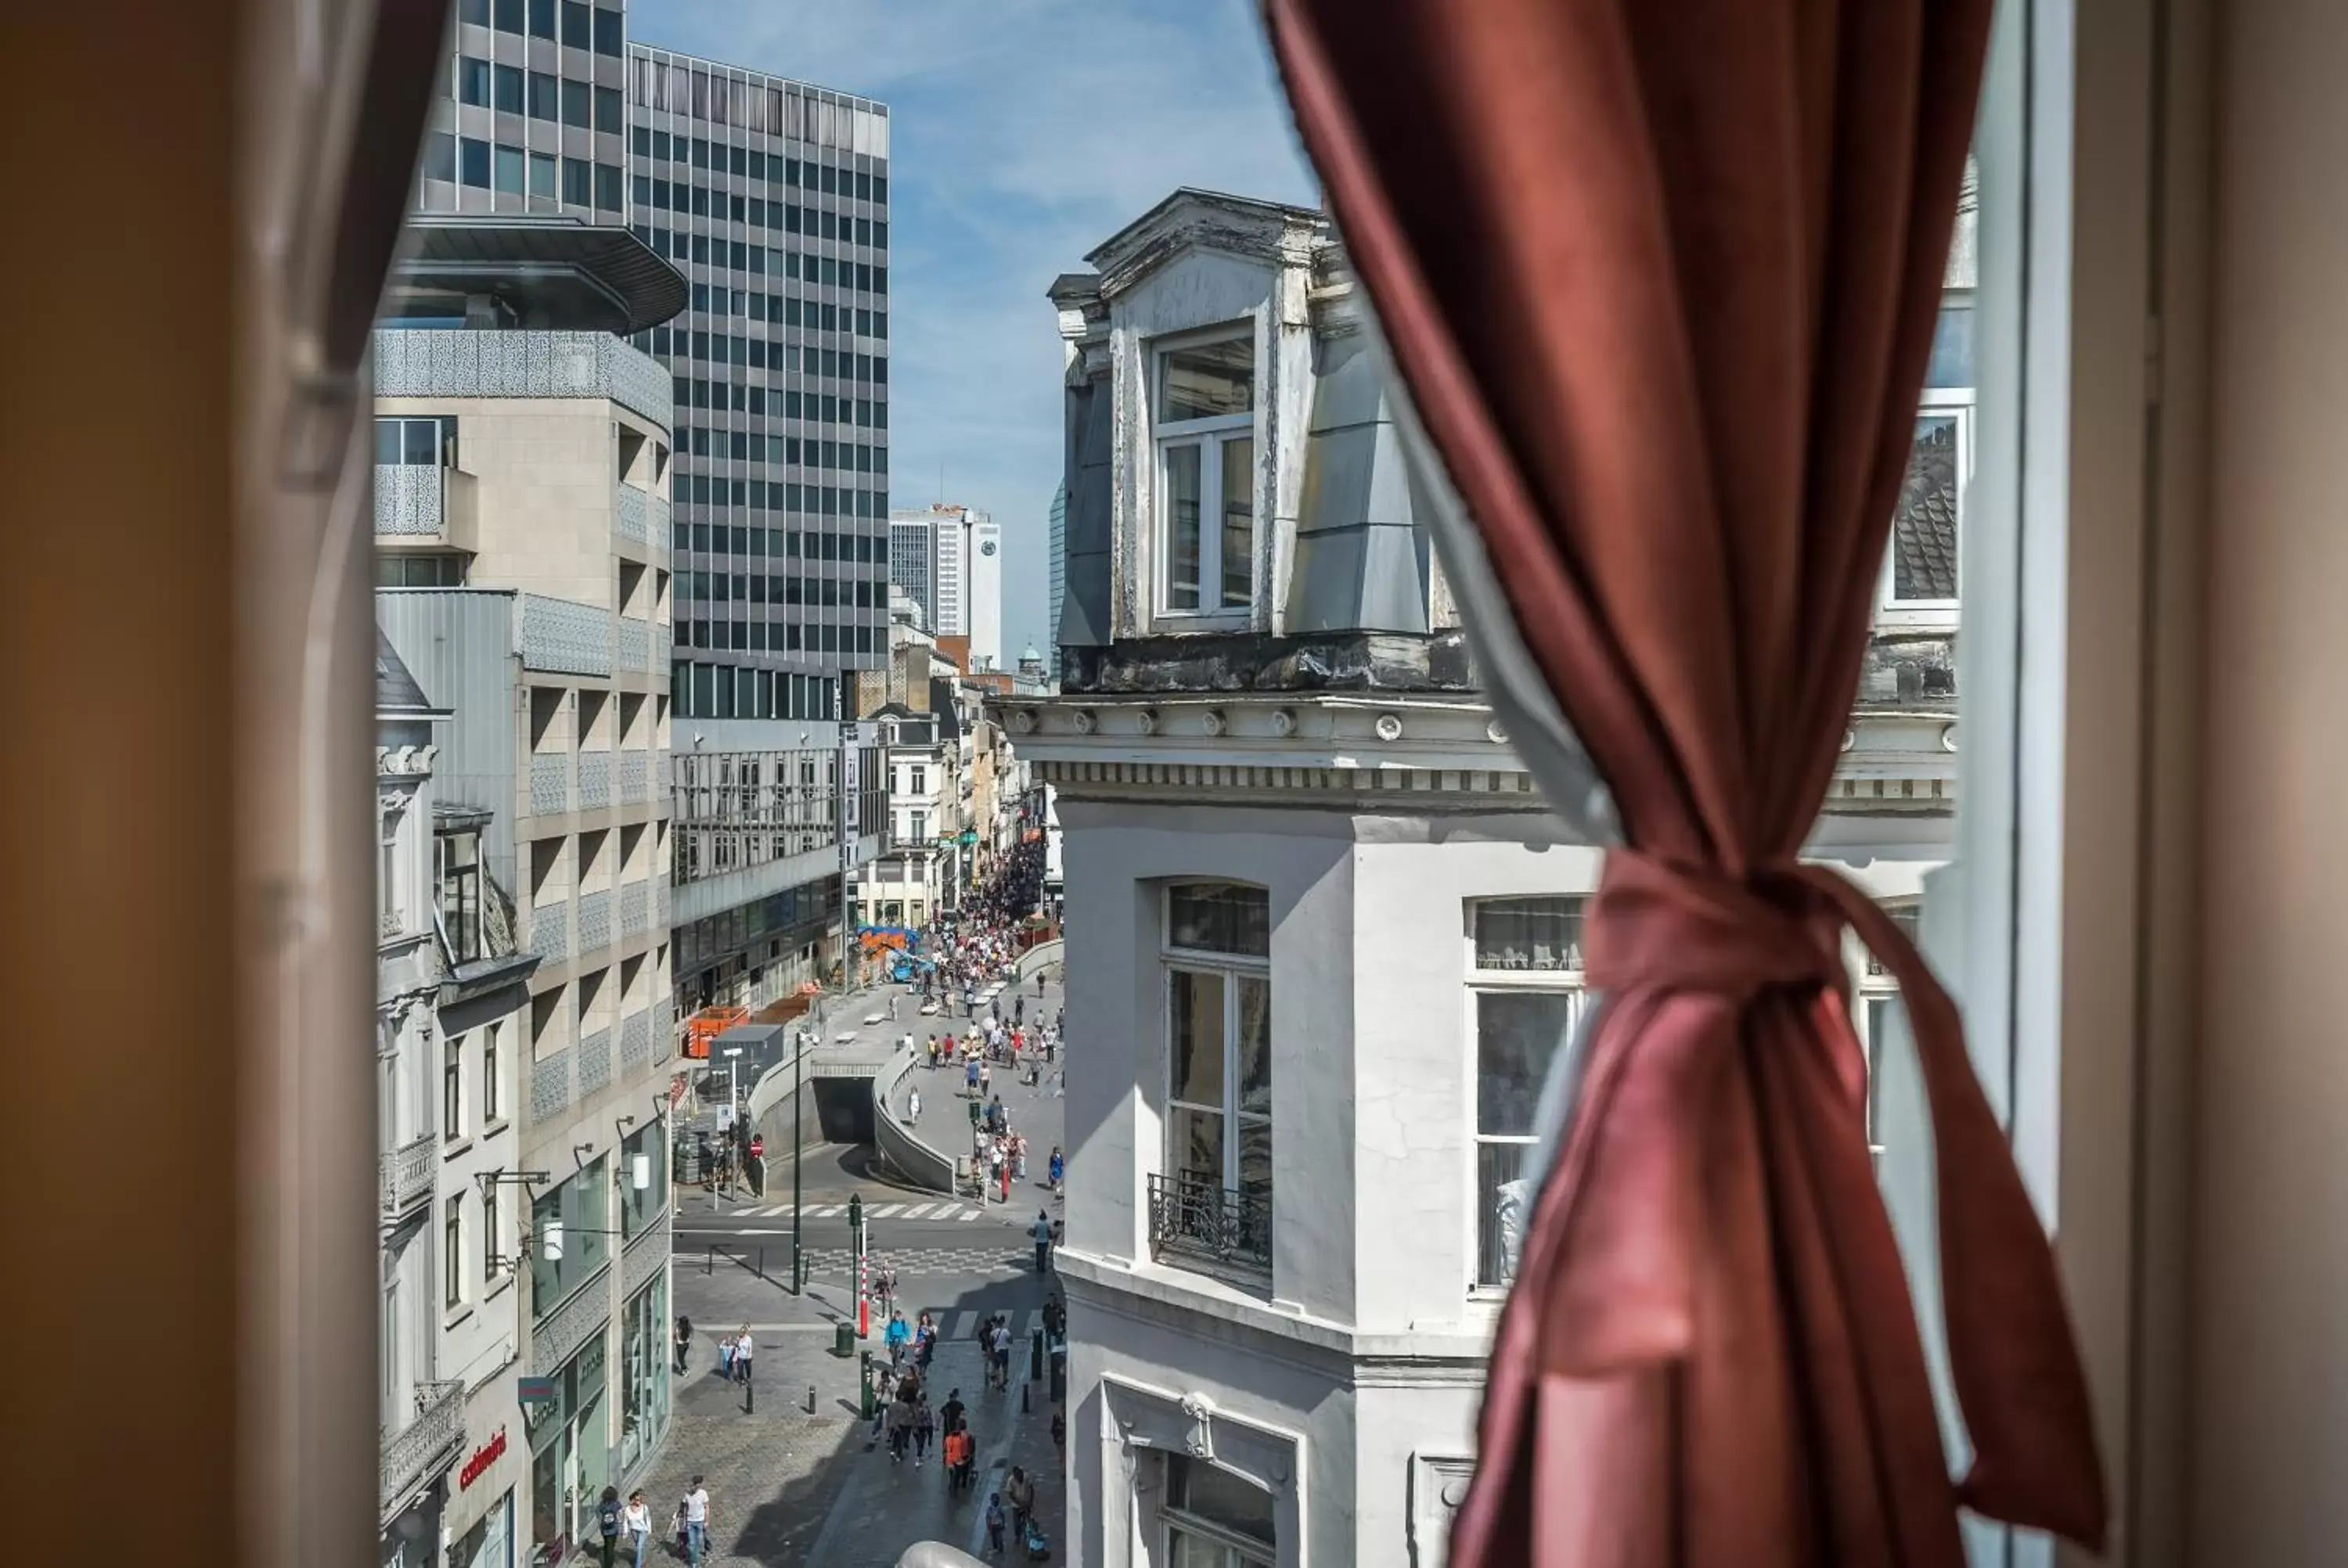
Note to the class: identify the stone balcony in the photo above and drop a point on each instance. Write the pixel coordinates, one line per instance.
(406, 1173)
(415, 1453)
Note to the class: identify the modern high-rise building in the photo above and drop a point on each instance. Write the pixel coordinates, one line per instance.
(772, 196)
(965, 578)
(534, 121)
(913, 561)
(1059, 566)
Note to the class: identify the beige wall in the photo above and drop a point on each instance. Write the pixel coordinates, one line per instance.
(2269, 1428)
(546, 467)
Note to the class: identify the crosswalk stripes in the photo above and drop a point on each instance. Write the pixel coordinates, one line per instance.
(935, 1212)
(965, 1324)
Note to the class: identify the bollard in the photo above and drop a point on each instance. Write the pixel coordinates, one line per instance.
(762, 1263)
(710, 1266)
(810, 1399)
(865, 1402)
(1036, 1355)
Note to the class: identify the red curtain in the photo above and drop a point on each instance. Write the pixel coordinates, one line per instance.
(1662, 276)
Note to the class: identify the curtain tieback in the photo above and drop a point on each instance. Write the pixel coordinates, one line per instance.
(1666, 937)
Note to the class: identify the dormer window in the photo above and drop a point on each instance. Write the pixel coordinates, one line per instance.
(1206, 474)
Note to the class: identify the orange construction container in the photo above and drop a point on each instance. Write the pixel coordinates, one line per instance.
(707, 1025)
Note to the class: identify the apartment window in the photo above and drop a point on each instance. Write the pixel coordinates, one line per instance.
(609, 114)
(918, 780)
(1215, 1196)
(577, 103)
(578, 182)
(510, 166)
(421, 441)
(459, 871)
(1205, 473)
(388, 919)
(473, 162)
(453, 1272)
(492, 1235)
(472, 81)
(493, 1107)
(510, 81)
(1526, 986)
(577, 26)
(541, 18)
(545, 176)
(610, 33)
(545, 96)
(1215, 1519)
(452, 1090)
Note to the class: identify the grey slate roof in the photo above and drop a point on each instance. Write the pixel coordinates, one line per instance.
(395, 691)
(1924, 529)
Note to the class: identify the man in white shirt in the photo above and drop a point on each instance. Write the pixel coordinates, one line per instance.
(743, 1350)
(693, 1514)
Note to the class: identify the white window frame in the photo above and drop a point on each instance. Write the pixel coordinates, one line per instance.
(493, 1262)
(493, 1096)
(1892, 612)
(1233, 968)
(1208, 436)
(456, 1289)
(391, 830)
(453, 1097)
(1484, 982)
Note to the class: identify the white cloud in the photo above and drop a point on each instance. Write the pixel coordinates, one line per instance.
(1021, 134)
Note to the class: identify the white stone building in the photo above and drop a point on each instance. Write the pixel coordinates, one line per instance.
(1322, 932)
(451, 992)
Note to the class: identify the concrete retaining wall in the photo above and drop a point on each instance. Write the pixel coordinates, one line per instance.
(907, 1154)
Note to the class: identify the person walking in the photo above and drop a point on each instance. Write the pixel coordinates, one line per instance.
(884, 1394)
(743, 1349)
(637, 1519)
(901, 1428)
(1059, 1436)
(1059, 1169)
(955, 1451)
(925, 1341)
(1021, 1491)
(896, 1336)
(995, 1523)
(951, 1414)
(726, 1358)
(994, 1170)
(1001, 1347)
(693, 1515)
(609, 1516)
(683, 1344)
(925, 1426)
(1042, 1231)
(1003, 1169)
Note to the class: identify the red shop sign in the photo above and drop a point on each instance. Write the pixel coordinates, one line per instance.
(483, 1458)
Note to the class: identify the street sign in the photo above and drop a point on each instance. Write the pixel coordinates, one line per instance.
(534, 1390)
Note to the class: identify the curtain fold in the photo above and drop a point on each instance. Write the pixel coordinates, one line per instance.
(1661, 278)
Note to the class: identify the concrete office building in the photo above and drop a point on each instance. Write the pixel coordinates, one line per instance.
(521, 501)
(772, 196)
(532, 119)
(1323, 928)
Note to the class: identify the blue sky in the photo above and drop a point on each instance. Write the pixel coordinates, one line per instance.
(1022, 133)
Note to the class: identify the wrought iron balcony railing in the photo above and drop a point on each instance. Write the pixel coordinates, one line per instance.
(1206, 1220)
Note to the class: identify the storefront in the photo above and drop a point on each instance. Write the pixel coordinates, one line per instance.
(478, 1521)
(644, 1373)
(571, 1452)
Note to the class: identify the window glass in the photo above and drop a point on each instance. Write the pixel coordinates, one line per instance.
(1516, 1034)
(1209, 380)
(545, 175)
(577, 101)
(541, 18)
(510, 81)
(1217, 1497)
(1182, 539)
(1195, 1028)
(1239, 522)
(509, 176)
(610, 32)
(1219, 917)
(578, 29)
(1540, 933)
(609, 115)
(545, 96)
(473, 162)
(472, 81)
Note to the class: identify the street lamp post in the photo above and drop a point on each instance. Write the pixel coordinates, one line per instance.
(733, 1099)
(798, 1122)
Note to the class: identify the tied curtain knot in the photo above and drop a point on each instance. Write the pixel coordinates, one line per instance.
(1663, 925)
